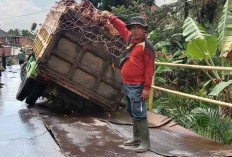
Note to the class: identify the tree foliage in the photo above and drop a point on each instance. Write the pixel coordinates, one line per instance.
(107, 5)
(33, 26)
(28, 34)
(14, 32)
(125, 13)
(24, 33)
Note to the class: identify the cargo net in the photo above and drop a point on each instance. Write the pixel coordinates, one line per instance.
(92, 27)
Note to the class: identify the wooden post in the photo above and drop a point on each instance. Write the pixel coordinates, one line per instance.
(150, 102)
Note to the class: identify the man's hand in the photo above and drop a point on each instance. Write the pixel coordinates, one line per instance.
(105, 15)
(145, 94)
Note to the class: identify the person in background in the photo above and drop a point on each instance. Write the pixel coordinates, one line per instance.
(137, 71)
(21, 57)
(3, 59)
(1, 69)
(9, 61)
(0, 80)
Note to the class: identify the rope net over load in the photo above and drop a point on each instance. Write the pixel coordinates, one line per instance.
(68, 15)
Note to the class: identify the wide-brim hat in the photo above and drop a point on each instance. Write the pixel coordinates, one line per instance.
(137, 21)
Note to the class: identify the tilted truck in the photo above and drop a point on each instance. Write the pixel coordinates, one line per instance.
(75, 61)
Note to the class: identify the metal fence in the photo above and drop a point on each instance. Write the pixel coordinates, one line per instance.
(220, 103)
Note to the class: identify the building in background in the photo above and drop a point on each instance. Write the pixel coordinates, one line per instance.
(11, 45)
(25, 42)
(9, 40)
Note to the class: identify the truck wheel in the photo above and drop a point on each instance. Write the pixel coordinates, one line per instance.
(35, 93)
(59, 105)
(23, 71)
(25, 88)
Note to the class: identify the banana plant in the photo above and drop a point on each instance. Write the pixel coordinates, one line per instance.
(224, 29)
(202, 46)
(225, 34)
(224, 47)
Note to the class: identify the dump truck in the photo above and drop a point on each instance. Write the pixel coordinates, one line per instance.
(76, 56)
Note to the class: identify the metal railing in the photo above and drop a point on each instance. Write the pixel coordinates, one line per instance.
(220, 103)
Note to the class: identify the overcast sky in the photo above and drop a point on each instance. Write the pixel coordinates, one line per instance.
(37, 8)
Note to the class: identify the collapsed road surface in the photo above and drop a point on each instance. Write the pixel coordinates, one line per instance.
(33, 132)
(42, 132)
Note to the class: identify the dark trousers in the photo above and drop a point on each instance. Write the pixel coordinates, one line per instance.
(21, 62)
(4, 64)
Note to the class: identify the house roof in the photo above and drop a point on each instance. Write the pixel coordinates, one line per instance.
(2, 42)
(3, 33)
(25, 42)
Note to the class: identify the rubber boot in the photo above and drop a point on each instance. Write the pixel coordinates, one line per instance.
(144, 133)
(136, 138)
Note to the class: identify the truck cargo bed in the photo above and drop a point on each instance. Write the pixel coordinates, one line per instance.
(76, 60)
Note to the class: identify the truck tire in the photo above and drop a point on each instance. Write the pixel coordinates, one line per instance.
(23, 71)
(35, 93)
(25, 88)
(59, 105)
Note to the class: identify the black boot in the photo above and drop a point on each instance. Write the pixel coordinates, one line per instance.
(144, 133)
(136, 138)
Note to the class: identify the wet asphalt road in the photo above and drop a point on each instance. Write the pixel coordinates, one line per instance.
(41, 132)
(22, 131)
(32, 132)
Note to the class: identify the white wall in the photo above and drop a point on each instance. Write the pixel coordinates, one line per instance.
(15, 51)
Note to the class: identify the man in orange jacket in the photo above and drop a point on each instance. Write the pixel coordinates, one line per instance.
(137, 70)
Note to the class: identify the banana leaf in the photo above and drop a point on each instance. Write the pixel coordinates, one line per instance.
(160, 69)
(219, 88)
(202, 48)
(160, 80)
(224, 29)
(179, 44)
(193, 30)
(151, 35)
(162, 44)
